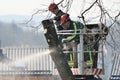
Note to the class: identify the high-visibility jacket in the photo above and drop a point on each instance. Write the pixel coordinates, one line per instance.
(75, 26)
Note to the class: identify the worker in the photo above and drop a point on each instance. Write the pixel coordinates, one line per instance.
(71, 39)
(57, 12)
(53, 8)
(68, 24)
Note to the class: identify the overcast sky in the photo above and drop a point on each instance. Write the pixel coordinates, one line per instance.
(27, 7)
(19, 7)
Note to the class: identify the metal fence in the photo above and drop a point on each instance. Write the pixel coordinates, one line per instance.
(26, 61)
(115, 73)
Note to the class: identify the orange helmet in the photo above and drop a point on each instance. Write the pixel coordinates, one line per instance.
(64, 18)
(52, 6)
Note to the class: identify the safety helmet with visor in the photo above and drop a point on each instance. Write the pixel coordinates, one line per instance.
(52, 6)
(64, 18)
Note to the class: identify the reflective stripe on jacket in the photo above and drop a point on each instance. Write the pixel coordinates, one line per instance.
(69, 38)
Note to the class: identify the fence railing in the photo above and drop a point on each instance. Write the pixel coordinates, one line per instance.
(26, 61)
(115, 73)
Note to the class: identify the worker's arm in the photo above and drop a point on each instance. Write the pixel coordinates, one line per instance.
(69, 38)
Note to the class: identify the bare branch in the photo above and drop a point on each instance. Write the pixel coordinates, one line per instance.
(60, 2)
(42, 11)
(88, 8)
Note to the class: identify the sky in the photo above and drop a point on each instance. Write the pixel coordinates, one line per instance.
(20, 7)
(27, 7)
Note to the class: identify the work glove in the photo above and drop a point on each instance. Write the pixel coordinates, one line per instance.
(65, 44)
(64, 40)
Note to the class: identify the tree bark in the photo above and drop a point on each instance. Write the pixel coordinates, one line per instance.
(56, 52)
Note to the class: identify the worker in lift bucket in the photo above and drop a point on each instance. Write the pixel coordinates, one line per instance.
(71, 40)
(72, 27)
(53, 8)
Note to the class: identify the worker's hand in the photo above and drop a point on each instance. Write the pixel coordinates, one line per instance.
(64, 40)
